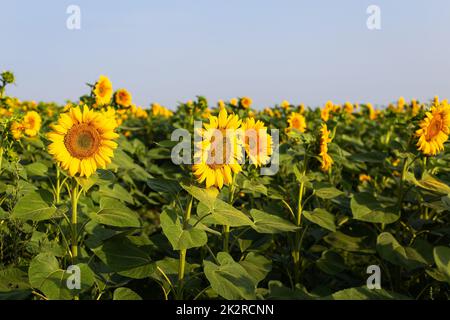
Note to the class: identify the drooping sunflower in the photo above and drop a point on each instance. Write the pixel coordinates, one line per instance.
(103, 91)
(246, 102)
(297, 121)
(257, 142)
(82, 141)
(325, 139)
(32, 123)
(434, 130)
(123, 98)
(218, 154)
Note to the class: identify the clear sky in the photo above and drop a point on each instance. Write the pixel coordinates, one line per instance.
(172, 50)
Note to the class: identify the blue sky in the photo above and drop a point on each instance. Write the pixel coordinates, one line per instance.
(172, 50)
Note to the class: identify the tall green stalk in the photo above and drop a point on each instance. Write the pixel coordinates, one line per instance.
(182, 263)
(226, 228)
(74, 196)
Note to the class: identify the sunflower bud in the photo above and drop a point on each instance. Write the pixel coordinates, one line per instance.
(7, 77)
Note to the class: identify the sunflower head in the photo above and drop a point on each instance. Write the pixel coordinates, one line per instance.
(32, 123)
(257, 142)
(218, 153)
(17, 129)
(325, 139)
(234, 102)
(123, 98)
(297, 121)
(285, 104)
(103, 91)
(246, 102)
(348, 107)
(434, 130)
(82, 141)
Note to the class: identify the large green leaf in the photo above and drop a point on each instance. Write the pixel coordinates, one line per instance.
(114, 213)
(34, 206)
(121, 254)
(326, 191)
(442, 260)
(322, 218)
(366, 207)
(181, 238)
(409, 257)
(345, 242)
(269, 223)
(125, 294)
(216, 210)
(257, 266)
(229, 279)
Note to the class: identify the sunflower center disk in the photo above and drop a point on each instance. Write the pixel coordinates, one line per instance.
(219, 153)
(435, 127)
(82, 141)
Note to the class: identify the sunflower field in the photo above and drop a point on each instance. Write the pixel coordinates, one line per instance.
(94, 207)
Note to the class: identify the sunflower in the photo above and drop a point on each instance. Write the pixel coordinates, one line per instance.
(246, 102)
(221, 104)
(373, 114)
(434, 130)
(257, 142)
(234, 102)
(297, 121)
(17, 128)
(325, 139)
(348, 107)
(103, 91)
(32, 123)
(325, 111)
(364, 177)
(214, 162)
(123, 98)
(82, 141)
(285, 105)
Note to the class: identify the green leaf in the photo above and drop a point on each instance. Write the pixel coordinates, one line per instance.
(364, 293)
(257, 267)
(34, 206)
(368, 157)
(322, 218)
(121, 254)
(125, 294)
(326, 191)
(181, 238)
(331, 263)
(269, 223)
(229, 279)
(36, 169)
(442, 260)
(366, 208)
(116, 192)
(115, 213)
(432, 183)
(345, 242)
(217, 211)
(46, 276)
(163, 185)
(409, 257)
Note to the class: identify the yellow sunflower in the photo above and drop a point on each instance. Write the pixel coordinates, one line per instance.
(257, 142)
(325, 139)
(123, 98)
(246, 102)
(285, 104)
(103, 91)
(17, 128)
(434, 130)
(32, 123)
(217, 156)
(325, 111)
(82, 141)
(234, 102)
(297, 121)
(348, 107)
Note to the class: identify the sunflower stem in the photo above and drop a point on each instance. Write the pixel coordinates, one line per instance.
(74, 221)
(182, 263)
(226, 228)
